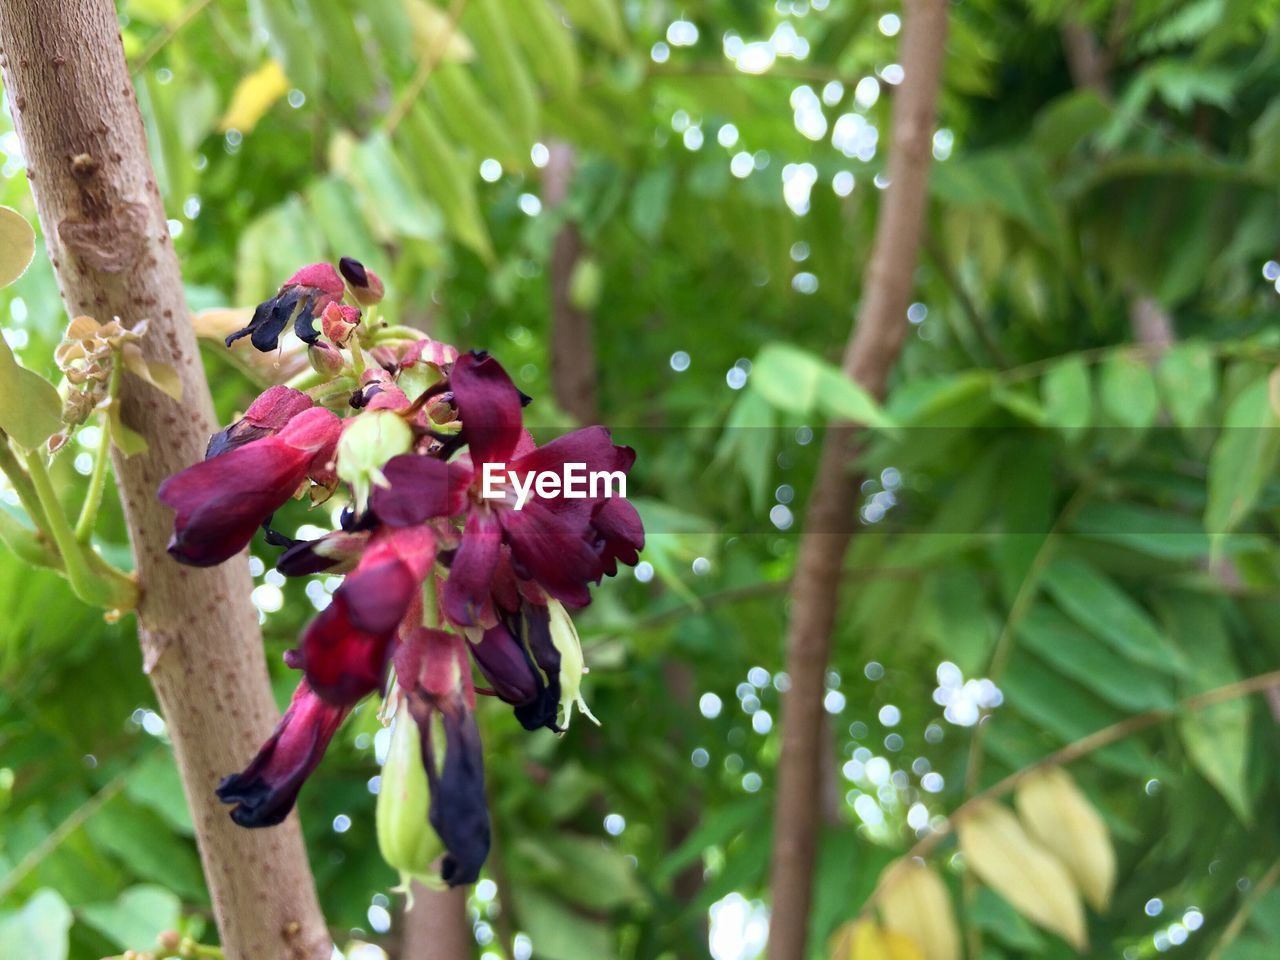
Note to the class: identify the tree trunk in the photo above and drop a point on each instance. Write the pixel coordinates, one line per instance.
(573, 351)
(873, 347)
(77, 117)
(437, 927)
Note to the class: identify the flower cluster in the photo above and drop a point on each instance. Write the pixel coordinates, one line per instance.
(439, 573)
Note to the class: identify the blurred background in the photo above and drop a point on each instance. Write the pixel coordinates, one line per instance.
(656, 215)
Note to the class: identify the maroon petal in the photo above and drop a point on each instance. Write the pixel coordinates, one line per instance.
(617, 534)
(551, 549)
(267, 415)
(220, 503)
(334, 552)
(488, 405)
(420, 488)
(590, 446)
(265, 791)
(467, 599)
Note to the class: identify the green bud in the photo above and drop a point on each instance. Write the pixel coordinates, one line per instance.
(367, 443)
(564, 635)
(406, 839)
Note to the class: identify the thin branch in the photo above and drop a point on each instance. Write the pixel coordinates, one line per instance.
(1077, 749)
(427, 67)
(171, 30)
(1241, 916)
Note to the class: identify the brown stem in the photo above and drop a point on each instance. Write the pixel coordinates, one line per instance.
(76, 115)
(573, 352)
(437, 928)
(873, 347)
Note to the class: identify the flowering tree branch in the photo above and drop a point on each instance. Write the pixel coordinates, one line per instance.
(76, 115)
(873, 347)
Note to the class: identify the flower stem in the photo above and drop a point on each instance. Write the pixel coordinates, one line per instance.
(98, 479)
(100, 585)
(357, 358)
(12, 468)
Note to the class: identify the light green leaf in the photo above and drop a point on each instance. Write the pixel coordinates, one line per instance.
(38, 930)
(1127, 391)
(559, 932)
(1095, 602)
(1188, 377)
(590, 872)
(1217, 737)
(600, 19)
(1068, 401)
(17, 245)
(796, 381)
(30, 408)
(1243, 458)
(137, 917)
(841, 398)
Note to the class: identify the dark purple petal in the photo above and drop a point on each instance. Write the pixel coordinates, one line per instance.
(505, 663)
(308, 292)
(334, 552)
(265, 791)
(489, 407)
(550, 548)
(467, 599)
(617, 534)
(458, 810)
(537, 637)
(420, 488)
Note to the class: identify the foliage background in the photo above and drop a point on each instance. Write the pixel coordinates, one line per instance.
(1088, 529)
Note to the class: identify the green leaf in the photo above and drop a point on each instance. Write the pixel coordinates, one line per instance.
(650, 200)
(148, 847)
(1188, 377)
(1078, 654)
(154, 783)
(749, 441)
(30, 408)
(386, 186)
(1127, 391)
(559, 932)
(590, 872)
(452, 186)
(39, 930)
(548, 45)
(841, 398)
(17, 245)
(796, 381)
(136, 918)
(600, 19)
(1243, 458)
(1095, 602)
(1216, 737)
(1066, 395)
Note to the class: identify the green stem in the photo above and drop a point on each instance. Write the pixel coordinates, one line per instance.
(98, 585)
(357, 358)
(13, 469)
(98, 479)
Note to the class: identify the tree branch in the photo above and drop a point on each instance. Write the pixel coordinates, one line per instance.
(872, 350)
(76, 115)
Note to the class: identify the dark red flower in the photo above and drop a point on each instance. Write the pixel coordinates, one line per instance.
(221, 502)
(303, 298)
(344, 650)
(265, 791)
(266, 416)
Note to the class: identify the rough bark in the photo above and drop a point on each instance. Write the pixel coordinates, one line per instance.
(573, 352)
(873, 347)
(437, 927)
(77, 117)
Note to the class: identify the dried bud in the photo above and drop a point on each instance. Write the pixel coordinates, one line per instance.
(325, 360)
(365, 285)
(339, 322)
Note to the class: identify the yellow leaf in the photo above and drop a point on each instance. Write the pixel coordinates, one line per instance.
(1061, 817)
(253, 97)
(17, 245)
(864, 940)
(431, 27)
(915, 901)
(1033, 880)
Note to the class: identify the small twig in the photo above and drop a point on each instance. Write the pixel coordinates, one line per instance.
(170, 31)
(102, 456)
(427, 67)
(1241, 916)
(1081, 748)
(63, 830)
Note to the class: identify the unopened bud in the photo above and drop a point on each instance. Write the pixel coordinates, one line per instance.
(368, 442)
(325, 360)
(339, 322)
(406, 839)
(366, 287)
